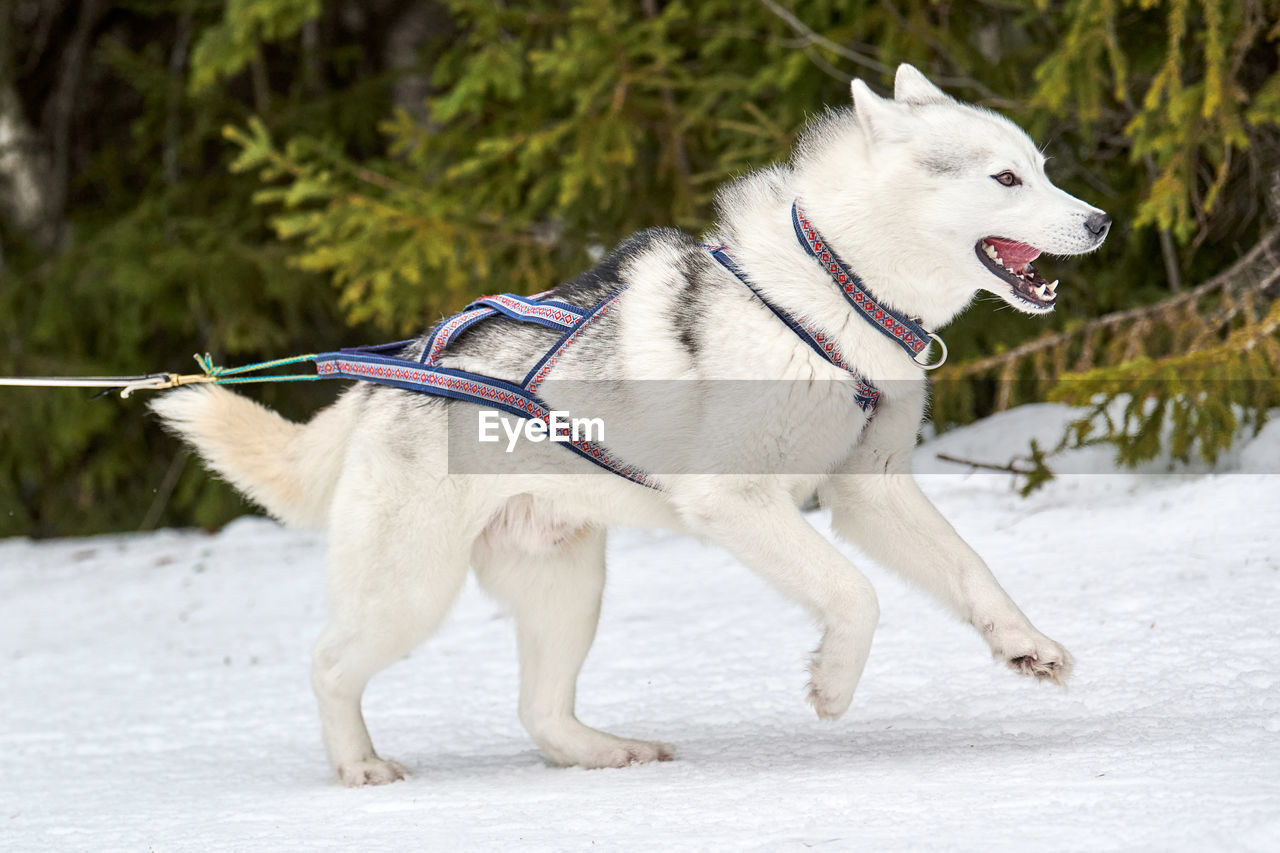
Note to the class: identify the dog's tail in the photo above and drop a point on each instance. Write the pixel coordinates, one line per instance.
(289, 469)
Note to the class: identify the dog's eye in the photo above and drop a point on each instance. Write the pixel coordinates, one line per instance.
(1008, 179)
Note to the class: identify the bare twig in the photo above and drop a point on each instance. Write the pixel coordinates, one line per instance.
(802, 30)
(261, 83)
(173, 99)
(60, 108)
(1168, 252)
(1008, 468)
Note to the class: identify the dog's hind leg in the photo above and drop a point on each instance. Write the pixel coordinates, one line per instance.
(555, 595)
(391, 583)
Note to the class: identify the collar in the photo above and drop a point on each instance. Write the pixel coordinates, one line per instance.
(903, 330)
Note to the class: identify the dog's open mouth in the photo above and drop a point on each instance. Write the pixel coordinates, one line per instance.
(1011, 261)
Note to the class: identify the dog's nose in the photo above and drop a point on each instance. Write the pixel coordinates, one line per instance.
(1098, 224)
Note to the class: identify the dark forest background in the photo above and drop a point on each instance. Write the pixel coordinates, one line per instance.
(258, 178)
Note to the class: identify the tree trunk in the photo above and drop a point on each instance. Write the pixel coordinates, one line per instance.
(27, 200)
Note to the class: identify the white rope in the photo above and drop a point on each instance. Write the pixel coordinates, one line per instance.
(126, 384)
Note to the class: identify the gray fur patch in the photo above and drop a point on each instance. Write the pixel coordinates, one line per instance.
(942, 165)
(953, 163)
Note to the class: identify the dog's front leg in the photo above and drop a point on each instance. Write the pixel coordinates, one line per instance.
(761, 526)
(886, 515)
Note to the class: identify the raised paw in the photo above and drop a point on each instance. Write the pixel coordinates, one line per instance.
(1057, 670)
(1033, 654)
(829, 693)
(370, 771)
(834, 672)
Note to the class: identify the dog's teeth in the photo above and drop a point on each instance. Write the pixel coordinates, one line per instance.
(1043, 291)
(990, 250)
(1053, 286)
(996, 258)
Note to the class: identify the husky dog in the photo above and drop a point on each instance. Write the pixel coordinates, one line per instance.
(929, 200)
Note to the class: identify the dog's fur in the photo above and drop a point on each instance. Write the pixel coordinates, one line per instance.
(903, 190)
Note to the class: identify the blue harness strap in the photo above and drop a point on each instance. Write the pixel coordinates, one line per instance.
(551, 313)
(538, 373)
(380, 364)
(865, 394)
(449, 329)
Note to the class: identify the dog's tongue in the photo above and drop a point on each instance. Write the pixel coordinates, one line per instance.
(1013, 253)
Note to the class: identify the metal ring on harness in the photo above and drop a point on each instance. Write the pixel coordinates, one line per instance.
(934, 365)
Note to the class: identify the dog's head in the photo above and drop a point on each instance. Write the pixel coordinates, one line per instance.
(961, 192)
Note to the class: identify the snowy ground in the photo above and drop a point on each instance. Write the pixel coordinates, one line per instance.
(154, 695)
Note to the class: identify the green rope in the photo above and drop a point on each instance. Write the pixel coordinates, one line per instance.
(295, 377)
(229, 375)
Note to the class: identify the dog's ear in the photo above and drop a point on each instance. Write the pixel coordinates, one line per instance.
(879, 117)
(912, 87)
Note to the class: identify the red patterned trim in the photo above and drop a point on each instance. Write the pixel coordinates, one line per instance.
(556, 314)
(909, 334)
(440, 339)
(553, 357)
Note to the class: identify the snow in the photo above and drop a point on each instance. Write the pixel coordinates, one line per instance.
(155, 691)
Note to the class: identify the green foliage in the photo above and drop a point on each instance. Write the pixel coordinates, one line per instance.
(1037, 473)
(1185, 406)
(162, 263)
(594, 123)
(226, 47)
(1175, 76)
(1181, 379)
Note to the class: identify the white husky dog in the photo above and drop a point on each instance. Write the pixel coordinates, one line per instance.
(928, 200)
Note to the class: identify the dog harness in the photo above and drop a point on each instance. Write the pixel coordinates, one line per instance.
(383, 365)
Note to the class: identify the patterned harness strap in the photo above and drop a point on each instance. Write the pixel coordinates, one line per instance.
(551, 313)
(902, 330)
(865, 394)
(381, 364)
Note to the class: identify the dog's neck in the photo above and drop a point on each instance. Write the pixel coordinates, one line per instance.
(899, 269)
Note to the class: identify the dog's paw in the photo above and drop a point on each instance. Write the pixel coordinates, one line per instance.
(371, 771)
(829, 705)
(1033, 654)
(584, 746)
(834, 672)
(625, 752)
(831, 685)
